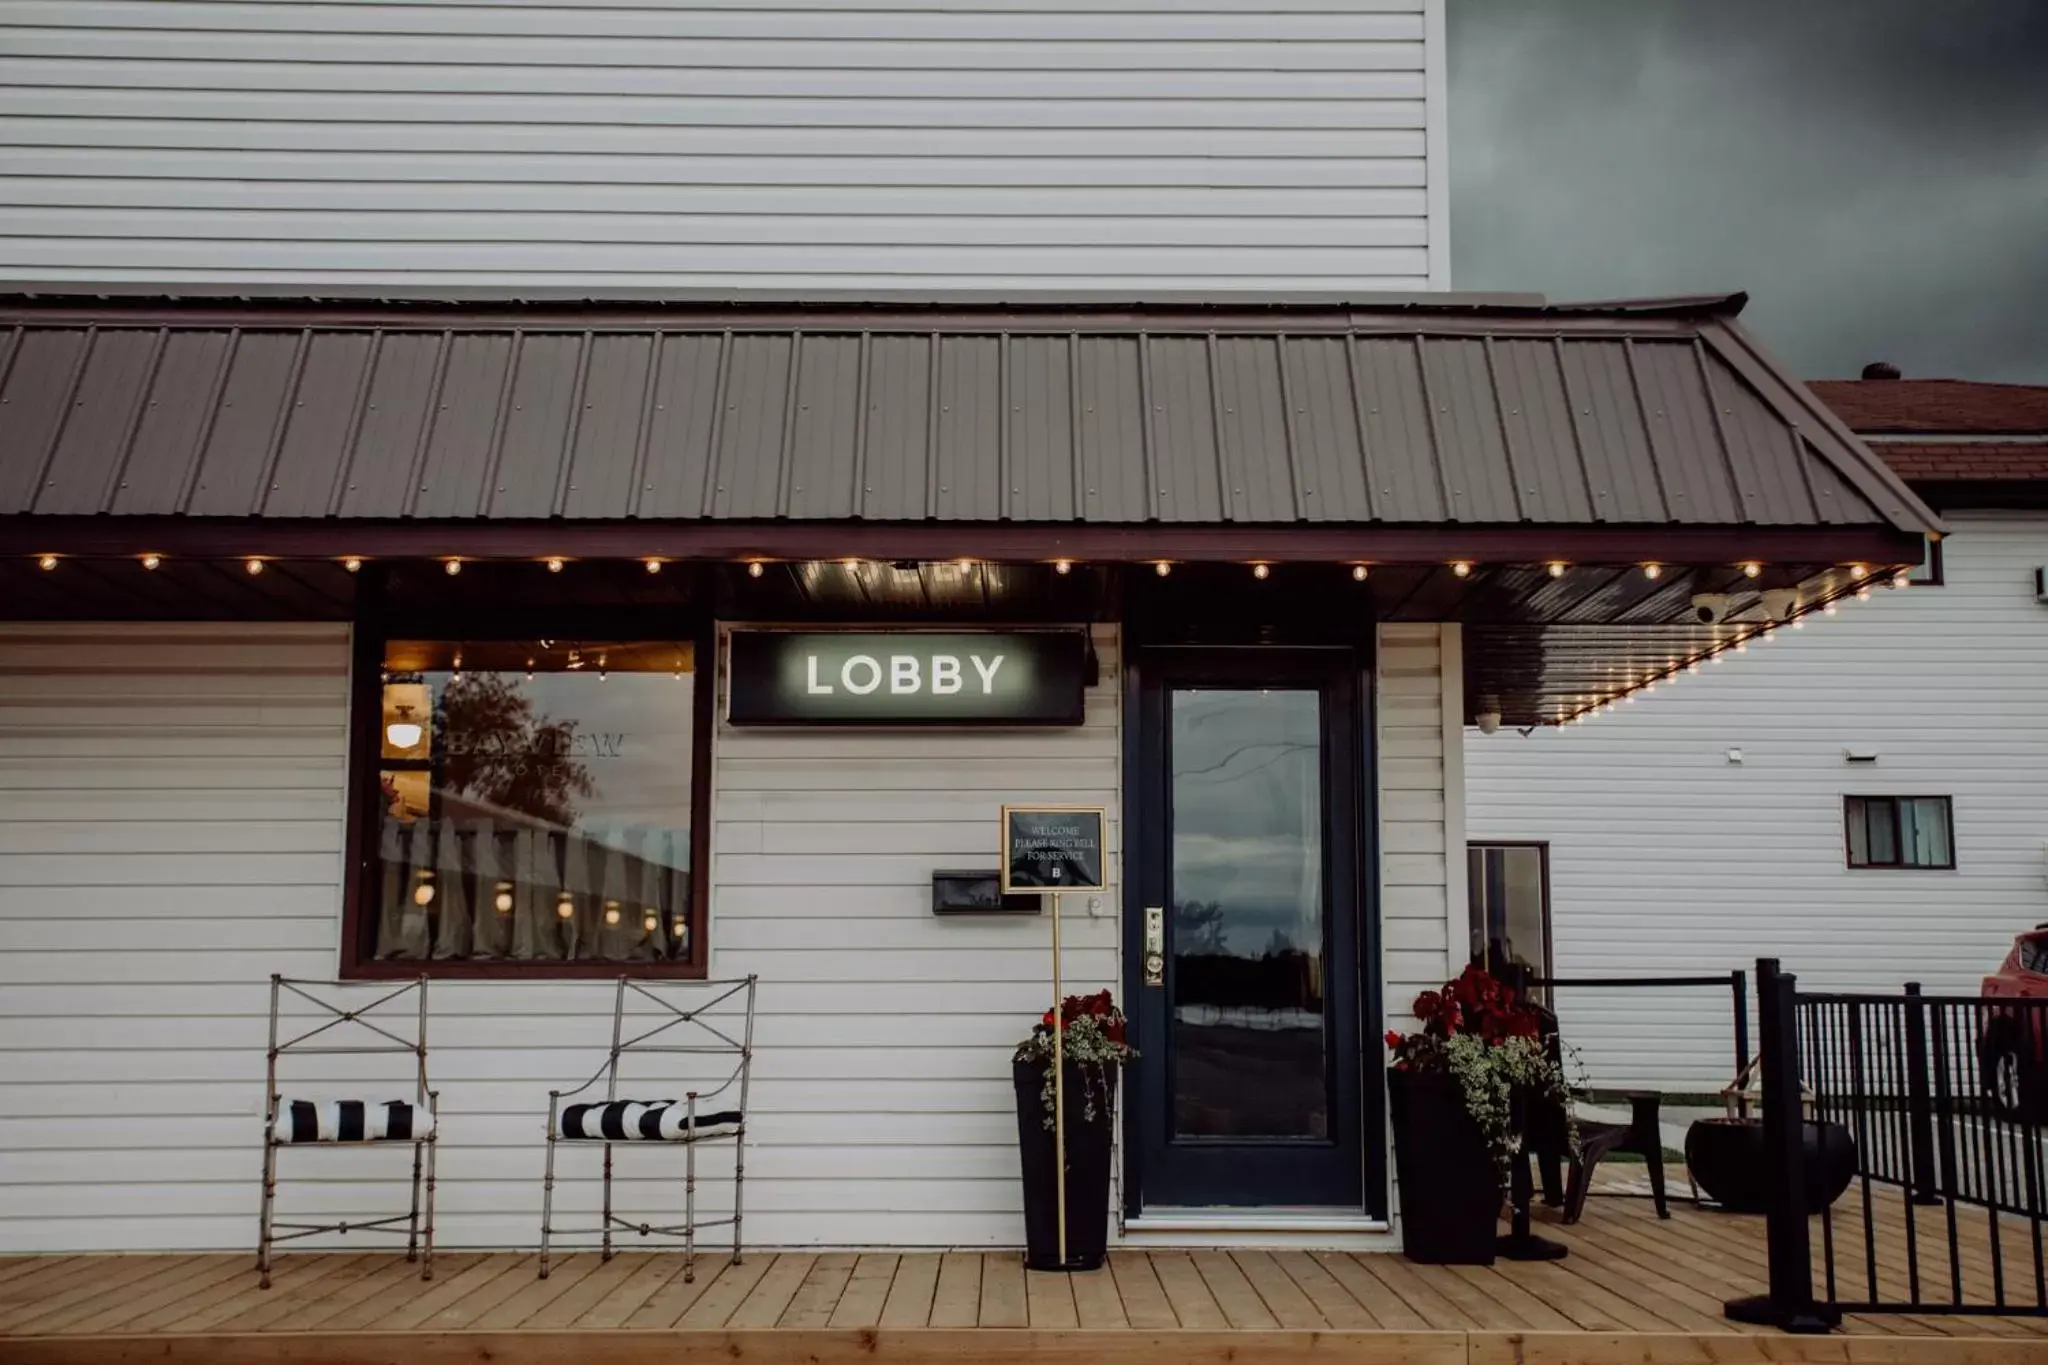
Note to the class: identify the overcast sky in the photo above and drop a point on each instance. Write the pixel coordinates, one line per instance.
(1873, 172)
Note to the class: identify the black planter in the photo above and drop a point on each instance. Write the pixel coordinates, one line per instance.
(1088, 1149)
(1450, 1189)
(1726, 1158)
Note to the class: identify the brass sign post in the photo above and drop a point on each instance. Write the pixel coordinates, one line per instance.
(1053, 849)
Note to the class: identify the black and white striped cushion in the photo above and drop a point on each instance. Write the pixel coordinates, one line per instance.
(352, 1121)
(642, 1121)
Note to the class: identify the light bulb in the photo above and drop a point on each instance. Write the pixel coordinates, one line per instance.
(352, 565)
(1162, 568)
(1062, 566)
(654, 566)
(680, 927)
(452, 567)
(565, 906)
(1653, 570)
(611, 912)
(423, 894)
(1693, 667)
(1902, 580)
(1768, 635)
(47, 563)
(554, 566)
(967, 564)
(1358, 572)
(1629, 697)
(1557, 568)
(503, 900)
(1858, 570)
(529, 670)
(1799, 623)
(1863, 593)
(755, 569)
(850, 563)
(403, 734)
(254, 566)
(650, 922)
(1751, 570)
(1828, 610)
(1461, 568)
(1262, 571)
(152, 561)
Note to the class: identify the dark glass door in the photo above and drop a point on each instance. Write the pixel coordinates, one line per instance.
(1245, 875)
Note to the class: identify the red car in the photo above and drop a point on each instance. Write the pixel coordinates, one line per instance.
(2014, 1064)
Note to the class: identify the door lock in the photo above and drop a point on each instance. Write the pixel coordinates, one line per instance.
(1155, 945)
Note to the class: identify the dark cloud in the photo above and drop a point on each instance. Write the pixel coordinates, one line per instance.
(1873, 172)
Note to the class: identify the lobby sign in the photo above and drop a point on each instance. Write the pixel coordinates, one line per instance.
(1053, 848)
(906, 677)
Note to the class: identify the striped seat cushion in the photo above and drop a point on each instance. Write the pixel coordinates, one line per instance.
(642, 1121)
(352, 1121)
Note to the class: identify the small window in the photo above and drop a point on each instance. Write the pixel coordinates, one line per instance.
(1508, 886)
(528, 807)
(1899, 831)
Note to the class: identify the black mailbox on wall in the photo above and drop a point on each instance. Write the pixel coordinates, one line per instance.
(979, 892)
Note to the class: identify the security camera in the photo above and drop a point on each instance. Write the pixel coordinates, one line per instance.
(1710, 608)
(1488, 716)
(1780, 603)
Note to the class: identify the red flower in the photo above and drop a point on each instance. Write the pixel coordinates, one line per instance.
(1393, 1038)
(1428, 1005)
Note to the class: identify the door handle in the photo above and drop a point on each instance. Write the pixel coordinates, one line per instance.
(1155, 945)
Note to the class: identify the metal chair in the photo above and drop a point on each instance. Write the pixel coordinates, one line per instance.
(683, 1119)
(349, 1122)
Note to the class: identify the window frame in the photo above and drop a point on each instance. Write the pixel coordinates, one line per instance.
(1542, 847)
(1894, 800)
(373, 629)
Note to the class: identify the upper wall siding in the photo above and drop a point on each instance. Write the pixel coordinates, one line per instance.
(791, 145)
(1666, 858)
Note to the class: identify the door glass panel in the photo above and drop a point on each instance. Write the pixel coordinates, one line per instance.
(1248, 928)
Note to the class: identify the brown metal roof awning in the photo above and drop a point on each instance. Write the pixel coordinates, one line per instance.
(1489, 416)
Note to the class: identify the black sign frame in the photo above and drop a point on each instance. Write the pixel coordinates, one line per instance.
(1037, 878)
(760, 695)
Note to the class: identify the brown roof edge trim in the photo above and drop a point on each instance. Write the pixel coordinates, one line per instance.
(1224, 317)
(1851, 458)
(931, 540)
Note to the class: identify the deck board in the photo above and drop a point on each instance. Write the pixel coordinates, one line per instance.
(1634, 1289)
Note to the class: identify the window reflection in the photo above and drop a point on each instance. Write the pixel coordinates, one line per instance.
(1248, 928)
(535, 802)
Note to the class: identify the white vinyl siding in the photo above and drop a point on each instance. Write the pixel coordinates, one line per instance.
(896, 1121)
(1421, 889)
(1667, 858)
(171, 815)
(786, 145)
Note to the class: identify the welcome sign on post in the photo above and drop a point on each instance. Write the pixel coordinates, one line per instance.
(1011, 677)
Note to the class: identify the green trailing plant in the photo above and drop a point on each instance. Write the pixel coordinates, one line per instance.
(1092, 1040)
(1492, 1043)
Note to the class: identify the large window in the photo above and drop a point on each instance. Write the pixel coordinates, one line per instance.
(1899, 831)
(529, 807)
(1509, 889)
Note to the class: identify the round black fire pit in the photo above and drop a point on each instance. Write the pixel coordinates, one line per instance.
(1726, 1157)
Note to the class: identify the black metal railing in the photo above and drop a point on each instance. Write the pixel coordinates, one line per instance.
(1923, 1116)
(1736, 983)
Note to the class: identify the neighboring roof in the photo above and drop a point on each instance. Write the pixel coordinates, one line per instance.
(1960, 420)
(1975, 461)
(1947, 407)
(1653, 413)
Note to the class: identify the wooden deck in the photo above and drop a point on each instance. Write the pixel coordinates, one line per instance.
(1633, 1290)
